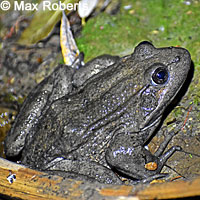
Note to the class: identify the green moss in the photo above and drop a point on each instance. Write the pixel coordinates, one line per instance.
(178, 112)
(165, 23)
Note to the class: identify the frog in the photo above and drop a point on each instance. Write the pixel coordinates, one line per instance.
(93, 123)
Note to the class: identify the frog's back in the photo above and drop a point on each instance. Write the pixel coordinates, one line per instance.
(86, 121)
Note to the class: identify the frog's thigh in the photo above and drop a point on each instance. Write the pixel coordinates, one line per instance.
(56, 85)
(84, 170)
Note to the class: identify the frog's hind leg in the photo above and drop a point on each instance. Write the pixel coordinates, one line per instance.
(82, 170)
(56, 85)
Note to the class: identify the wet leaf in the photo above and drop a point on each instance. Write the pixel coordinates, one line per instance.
(42, 24)
(68, 45)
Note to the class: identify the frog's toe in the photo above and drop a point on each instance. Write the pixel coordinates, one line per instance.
(153, 177)
(169, 153)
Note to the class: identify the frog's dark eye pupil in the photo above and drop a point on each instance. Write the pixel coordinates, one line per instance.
(160, 75)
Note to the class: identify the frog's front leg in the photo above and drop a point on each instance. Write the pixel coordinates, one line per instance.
(82, 170)
(127, 156)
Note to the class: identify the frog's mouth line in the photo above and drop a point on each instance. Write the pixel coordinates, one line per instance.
(151, 123)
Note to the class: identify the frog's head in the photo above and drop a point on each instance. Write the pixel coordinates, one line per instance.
(165, 71)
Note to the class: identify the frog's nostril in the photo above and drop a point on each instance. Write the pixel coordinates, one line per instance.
(175, 59)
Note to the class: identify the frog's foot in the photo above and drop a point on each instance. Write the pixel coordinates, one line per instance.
(168, 154)
(83, 170)
(166, 141)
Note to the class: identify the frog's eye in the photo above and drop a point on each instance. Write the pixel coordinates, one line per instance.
(160, 75)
